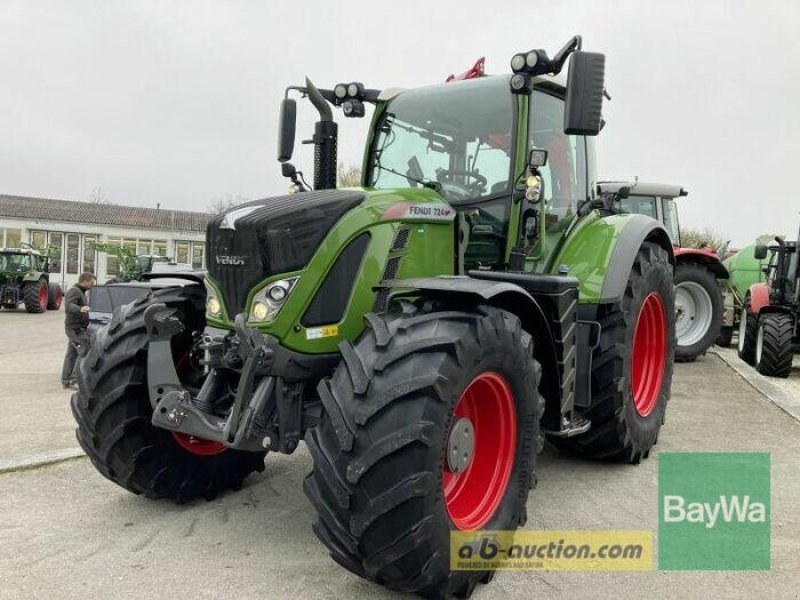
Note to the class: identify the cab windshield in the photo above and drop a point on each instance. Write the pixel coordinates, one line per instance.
(456, 136)
(15, 263)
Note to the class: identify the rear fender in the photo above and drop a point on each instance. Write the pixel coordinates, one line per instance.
(512, 298)
(759, 297)
(707, 258)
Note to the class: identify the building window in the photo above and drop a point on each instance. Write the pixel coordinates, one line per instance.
(160, 247)
(144, 247)
(182, 252)
(13, 238)
(112, 261)
(198, 252)
(89, 254)
(39, 239)
(73, 253)
(56, 241)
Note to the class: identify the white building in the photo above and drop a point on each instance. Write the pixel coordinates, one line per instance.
(71, 227)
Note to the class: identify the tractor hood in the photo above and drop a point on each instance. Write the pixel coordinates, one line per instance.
(270, 236)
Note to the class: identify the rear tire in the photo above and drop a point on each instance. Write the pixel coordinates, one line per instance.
(748, 329)
(774, 346)
(385, 497)
(725, 336)
(699, 297)
(55, 295)
(113, 411)
(34, 295)
(625, 422)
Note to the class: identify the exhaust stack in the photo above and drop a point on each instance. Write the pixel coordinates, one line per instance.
(326, 133)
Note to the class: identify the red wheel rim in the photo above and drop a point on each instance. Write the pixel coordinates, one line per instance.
(43, 295)
(472, 496)
(198, 446)
(649, 354)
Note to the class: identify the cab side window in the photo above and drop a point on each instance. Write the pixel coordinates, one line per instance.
(565, 173)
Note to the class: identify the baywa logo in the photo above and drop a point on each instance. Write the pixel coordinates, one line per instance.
(714, 511)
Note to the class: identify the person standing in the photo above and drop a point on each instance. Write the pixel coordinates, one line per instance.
(76, 320)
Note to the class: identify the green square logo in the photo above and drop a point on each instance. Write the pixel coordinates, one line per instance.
(714, 511)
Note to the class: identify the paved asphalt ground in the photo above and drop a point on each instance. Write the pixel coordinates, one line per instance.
(65, 532)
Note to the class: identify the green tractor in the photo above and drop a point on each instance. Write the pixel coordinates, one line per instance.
(423, 333)
(745, 270)
(131, 265)
(24, 279)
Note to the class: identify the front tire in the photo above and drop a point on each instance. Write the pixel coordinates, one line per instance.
(698, 299)
(34, 295)
(632, 365)
(748, 329)
(55, 296)
(385, 491)
(774, 345)
(113, 411)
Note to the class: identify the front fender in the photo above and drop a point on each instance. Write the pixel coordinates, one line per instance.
(759, 297)
(601, 252)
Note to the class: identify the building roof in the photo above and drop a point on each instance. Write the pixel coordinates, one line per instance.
(70, 211)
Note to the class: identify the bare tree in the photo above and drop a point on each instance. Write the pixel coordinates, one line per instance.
(98, 196)
(226, 202)
(348, 176)
(705, 238)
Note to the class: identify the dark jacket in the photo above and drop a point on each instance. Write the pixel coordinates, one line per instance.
(75, 298)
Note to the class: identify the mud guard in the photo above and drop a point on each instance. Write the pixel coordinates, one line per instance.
(639, 229)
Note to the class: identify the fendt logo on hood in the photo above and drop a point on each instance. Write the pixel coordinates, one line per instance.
(230, 260)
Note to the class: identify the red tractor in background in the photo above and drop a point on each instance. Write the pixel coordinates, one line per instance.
(698, 295)
(769, 324)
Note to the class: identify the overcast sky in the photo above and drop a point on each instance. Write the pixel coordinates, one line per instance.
(176, 102)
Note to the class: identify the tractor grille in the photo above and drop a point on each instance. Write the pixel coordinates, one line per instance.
(389, 272)
(400, 240)
(9, 295)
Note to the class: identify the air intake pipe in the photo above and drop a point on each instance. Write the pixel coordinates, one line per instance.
(326, 133)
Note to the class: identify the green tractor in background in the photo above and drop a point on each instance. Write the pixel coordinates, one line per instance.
(423, 333)
(744, 271)
(131, 265)
(25, 279)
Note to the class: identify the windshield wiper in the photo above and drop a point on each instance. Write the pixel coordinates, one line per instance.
(431, 185)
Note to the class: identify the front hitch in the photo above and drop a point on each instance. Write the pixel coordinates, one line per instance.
(174, 407)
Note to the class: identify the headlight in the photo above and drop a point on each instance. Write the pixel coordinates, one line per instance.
(212, 306)
(260, 310)
(269, 301)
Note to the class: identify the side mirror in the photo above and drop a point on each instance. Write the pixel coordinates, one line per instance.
(760, 252)
(585, 89)
(287, 121)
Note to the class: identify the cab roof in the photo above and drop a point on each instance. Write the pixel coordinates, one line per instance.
(641, 188)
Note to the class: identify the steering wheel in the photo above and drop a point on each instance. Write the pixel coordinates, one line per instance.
(446, 176)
